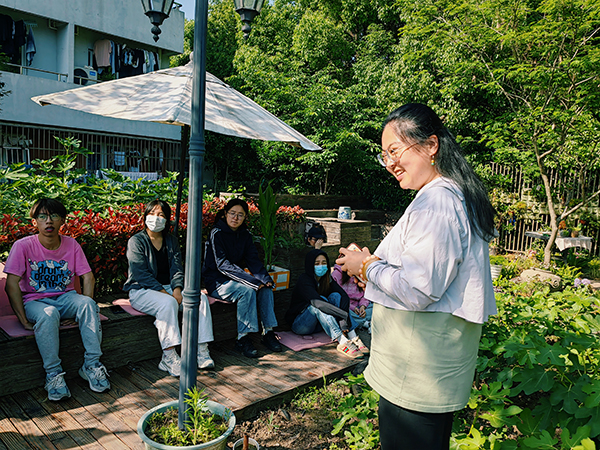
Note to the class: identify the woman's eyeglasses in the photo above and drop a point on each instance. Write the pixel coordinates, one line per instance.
(233, 215)
(392, 154)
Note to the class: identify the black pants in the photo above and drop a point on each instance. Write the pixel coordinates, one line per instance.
(402, 429)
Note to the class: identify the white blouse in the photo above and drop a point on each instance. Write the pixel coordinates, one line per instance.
(432, 260)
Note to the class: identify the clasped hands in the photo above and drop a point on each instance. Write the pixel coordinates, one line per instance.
(351, 261)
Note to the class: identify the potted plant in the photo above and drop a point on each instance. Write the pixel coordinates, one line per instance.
(268, 221)
(496, 263)
(208, 427)
(564, 231)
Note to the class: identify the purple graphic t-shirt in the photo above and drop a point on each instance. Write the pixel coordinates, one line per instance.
(43, 272)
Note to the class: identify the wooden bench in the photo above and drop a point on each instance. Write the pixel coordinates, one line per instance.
(125, 339)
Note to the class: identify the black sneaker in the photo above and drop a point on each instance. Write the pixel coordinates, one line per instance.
(271, 341)
(245, 347)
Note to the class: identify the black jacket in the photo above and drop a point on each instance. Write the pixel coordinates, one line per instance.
(306, 288)
(227, 253)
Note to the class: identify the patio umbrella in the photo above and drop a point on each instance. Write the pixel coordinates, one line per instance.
(165, 96)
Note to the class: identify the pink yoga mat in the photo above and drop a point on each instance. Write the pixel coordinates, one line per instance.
(296, 342)
(12, 326)
(124, 303)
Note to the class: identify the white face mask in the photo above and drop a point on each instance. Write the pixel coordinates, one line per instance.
(156, 223)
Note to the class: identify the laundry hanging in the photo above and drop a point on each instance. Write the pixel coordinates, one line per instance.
(30, 46)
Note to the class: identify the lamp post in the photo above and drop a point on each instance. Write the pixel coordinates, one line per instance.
(248, 10)
(158, 11)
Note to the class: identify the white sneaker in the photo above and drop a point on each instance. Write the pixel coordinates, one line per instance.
(96, 376)
(360, 345)
(204, 360)
(171, 362)
(56, 386)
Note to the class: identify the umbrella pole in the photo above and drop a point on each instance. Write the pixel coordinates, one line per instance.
(185, 137)
(191, 291)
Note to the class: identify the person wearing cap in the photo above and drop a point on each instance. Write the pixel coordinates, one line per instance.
(316, 236)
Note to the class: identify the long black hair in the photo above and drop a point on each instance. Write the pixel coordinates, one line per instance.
(415, 122)
(166, 209)
(323, 283)
(230, 204)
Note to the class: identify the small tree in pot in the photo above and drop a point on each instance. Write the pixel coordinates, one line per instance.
(268, 221)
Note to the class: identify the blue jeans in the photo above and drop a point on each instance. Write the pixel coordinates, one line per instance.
(313, 319)
(336, 300)
(250, 305)
(46, 314)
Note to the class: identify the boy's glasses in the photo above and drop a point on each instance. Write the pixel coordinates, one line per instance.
(52, 217)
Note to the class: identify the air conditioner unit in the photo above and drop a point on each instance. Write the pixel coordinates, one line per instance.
(83, 75)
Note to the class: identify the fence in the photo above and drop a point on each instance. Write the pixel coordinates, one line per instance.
(22, 143)
(567, 186)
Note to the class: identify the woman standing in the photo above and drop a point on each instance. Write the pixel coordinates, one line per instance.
(430, 283)
(229, 249)
(308, 314)
(155, 281)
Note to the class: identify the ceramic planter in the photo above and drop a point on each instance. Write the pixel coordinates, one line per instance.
(495, 269)
(216, 444)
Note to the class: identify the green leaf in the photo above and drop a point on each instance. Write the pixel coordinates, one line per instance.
(500, 416)
(535, 380)
(569, 442)
(586, 444)
(593, 391)
(530, 424)
(543, 442)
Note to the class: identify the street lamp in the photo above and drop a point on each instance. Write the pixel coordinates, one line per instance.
(191, 291)
(248, 10)
(157, 11)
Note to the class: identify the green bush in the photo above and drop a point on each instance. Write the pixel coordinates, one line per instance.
(537, 382)
(538, 377)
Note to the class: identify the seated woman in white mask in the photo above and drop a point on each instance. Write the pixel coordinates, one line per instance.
(155, 282)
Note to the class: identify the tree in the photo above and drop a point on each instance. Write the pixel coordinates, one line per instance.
(542, 58)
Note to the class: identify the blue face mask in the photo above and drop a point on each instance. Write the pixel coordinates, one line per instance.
(321, 270)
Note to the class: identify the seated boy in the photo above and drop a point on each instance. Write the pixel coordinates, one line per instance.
(40, 284)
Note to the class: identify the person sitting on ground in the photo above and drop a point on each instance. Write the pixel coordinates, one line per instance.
(154, 283)
(40, 285)
(360, 308)
(310, 308)
(229, 249)
(316, 236)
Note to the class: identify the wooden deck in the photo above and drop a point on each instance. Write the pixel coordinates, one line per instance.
(109, 421)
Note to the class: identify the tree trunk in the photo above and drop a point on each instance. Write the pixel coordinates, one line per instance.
(551, 210)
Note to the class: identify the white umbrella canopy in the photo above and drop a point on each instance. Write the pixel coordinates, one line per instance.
(165, 96)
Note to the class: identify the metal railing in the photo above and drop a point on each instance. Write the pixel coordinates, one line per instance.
(23, 68)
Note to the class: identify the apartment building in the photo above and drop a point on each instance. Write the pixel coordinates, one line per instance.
(55, 45)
